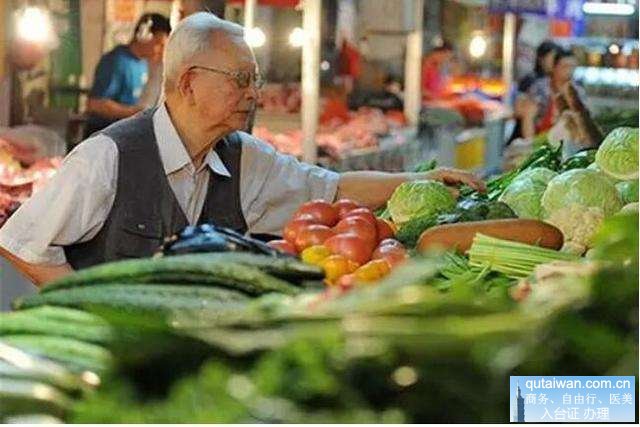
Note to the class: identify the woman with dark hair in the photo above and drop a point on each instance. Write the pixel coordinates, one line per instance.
(556, 98)
(545, 56)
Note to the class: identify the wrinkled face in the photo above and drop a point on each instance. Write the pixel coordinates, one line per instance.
(216, 99)
(563, 70)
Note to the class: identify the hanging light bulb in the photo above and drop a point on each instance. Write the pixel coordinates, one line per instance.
(33, 24)
(478, 46)
(297, 37)
(255, 37)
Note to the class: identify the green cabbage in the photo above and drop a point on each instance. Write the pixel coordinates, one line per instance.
(419, 198)
(583, 187)
(595, 167)
(618, 154)
(628, 191)
(629, 208)
(525, 191)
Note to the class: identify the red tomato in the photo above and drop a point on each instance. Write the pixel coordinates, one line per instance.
(283, 246)
(312, 235)
(350, 246)
(384, 230)
(392, 254)
(391, 242)
(294, 226)
(322, 212)
(363, 213)
(345, 206)
(358, 226)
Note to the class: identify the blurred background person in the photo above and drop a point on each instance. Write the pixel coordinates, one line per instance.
(435, 71)
(545, 56)
(122, 74)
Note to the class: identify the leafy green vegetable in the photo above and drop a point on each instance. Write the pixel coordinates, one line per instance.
(580, 160)
(409, 232)
(583, 187)
(426, 166)
(525, 191)
(466, 210)
(628, 191)
(418, 198)
(545, 156)
(576, 202)
(618, 154)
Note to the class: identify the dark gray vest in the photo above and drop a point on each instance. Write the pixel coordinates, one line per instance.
(145, 209)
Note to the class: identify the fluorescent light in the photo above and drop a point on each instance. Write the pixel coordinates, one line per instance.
(622, 9)
(297, 37)
(255, 37)
(478, 46)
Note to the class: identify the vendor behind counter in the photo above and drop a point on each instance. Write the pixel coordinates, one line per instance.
(376, 88)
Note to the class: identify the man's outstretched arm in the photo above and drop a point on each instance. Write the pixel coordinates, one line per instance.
(373, 189)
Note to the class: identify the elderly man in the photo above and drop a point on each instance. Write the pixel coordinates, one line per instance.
(121, 191)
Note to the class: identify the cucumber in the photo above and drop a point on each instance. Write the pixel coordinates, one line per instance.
(76, 355)
(15, 363)
(26, 397)
(58, 321)
(202, 269)
(164, 299)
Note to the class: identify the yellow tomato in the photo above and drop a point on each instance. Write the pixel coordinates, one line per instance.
(315, 255)
(336, 266)
(372, 271)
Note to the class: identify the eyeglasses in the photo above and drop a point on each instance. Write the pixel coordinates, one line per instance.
(242, 78)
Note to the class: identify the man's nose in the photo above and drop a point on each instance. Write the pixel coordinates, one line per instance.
(252, 92)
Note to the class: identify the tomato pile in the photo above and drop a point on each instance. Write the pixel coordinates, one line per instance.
(346, 240)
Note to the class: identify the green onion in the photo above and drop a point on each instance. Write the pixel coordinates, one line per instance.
(513, 259)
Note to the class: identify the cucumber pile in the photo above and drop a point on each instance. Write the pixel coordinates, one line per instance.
(238, 338)
(63, 333)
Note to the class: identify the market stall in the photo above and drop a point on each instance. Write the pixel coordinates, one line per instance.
(291, 116)
(426, 309)
(370, 321)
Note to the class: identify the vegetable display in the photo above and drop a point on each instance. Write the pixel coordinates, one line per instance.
(618, 154)
(339, 321)
(524, 193)
(419, 198)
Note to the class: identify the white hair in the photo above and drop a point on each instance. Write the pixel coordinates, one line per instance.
(190, 38)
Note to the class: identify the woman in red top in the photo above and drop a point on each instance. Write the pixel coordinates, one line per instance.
(434, 74)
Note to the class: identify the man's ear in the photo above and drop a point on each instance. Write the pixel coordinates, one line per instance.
(184, 86)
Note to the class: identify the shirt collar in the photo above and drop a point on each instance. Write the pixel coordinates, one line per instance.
(173, 153)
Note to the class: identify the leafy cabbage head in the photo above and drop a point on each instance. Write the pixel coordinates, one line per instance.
(524, 193)
(628, 191)
(583, 187)
(618, 153)
(418, 198)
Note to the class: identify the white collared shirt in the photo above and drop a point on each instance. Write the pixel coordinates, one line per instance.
(75, 203)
